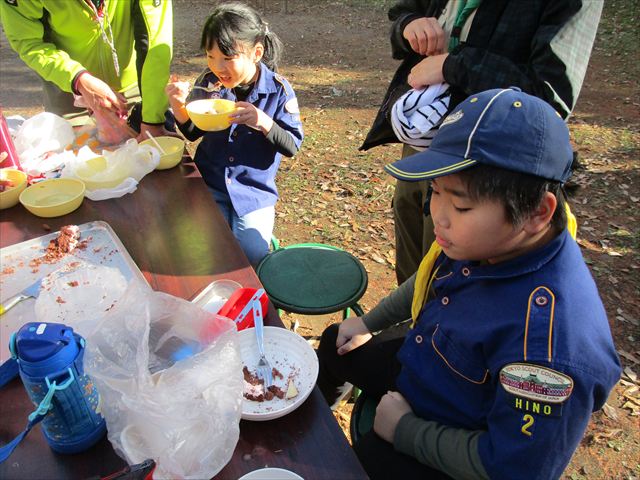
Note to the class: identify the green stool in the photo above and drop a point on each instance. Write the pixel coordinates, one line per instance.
(362, 416)
(313, 279)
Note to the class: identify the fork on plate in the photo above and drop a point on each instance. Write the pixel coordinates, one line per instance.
(264, 370)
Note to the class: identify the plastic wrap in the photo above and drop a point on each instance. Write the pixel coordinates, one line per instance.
(168, 391)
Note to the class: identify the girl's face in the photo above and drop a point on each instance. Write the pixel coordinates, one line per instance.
(239, 69)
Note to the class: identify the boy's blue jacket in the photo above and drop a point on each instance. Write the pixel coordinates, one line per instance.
(240, 161)
(520, 350)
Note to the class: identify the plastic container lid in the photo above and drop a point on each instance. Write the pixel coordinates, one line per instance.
(45, 347)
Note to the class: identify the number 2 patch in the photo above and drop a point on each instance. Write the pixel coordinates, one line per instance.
(527, 425)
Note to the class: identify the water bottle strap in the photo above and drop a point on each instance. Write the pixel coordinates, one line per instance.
(37, 415)
(8, 449)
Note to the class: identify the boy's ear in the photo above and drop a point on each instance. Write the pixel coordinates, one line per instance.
(541, 217)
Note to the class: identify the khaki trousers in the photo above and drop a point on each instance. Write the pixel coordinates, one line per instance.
(413, 228)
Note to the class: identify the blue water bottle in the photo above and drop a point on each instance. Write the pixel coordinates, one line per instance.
(49, 358)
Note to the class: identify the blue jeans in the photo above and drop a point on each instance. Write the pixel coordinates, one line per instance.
(253, 230)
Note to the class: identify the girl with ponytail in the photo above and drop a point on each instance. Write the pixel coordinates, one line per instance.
(239, 164)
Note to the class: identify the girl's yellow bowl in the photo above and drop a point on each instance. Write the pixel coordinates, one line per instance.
(54, 197)
(211, 114)
(173, 148)
(18, 180)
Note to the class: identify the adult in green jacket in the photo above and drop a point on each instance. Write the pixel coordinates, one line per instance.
(102, 50)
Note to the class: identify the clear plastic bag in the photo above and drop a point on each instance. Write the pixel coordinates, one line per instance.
(41, 134)
(170, 380)
(112, 174)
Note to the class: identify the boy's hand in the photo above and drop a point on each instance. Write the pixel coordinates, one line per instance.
(390, 410)
(351, 334)
(425, 35)
(427, 72)
(248, 114)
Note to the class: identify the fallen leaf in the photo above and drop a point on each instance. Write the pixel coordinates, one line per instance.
(635, 409)
(631, 375)
(628, 356)
(610, 411)
(377, 258)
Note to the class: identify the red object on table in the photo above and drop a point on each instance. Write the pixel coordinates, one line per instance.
(8, 155)
(240, 298)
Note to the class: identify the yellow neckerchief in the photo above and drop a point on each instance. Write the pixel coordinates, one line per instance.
(425, 276)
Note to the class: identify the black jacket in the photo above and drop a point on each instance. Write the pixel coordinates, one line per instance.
(509, 44)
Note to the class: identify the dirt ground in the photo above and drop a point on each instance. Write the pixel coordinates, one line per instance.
(338, 60)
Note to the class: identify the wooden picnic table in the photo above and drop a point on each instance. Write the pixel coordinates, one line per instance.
(176, 235)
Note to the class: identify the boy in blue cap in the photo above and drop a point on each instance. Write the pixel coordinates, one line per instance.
(510, 350)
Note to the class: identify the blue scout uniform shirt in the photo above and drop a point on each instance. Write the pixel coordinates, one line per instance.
(239, 161)
(521, 350)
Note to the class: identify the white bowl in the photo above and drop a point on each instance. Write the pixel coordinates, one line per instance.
(292, 356)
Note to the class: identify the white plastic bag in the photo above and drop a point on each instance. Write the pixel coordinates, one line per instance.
(129, 185)
(126, 165)
(40, 134)
(170, 381)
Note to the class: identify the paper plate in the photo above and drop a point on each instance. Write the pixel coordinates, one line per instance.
(271, 474)
(292, 356)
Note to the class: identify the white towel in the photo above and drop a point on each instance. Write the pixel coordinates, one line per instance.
(416, 116)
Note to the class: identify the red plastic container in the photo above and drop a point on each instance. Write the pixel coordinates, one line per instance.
(236, 303)
(8, 155)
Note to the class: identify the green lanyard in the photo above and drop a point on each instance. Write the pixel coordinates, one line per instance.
(465, 9)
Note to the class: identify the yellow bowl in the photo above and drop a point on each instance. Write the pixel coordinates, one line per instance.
(18, 180)
(94, 175)
(174, 148)
(54, 197)
(200, 113)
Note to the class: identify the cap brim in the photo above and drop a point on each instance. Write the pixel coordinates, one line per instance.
(426, 165)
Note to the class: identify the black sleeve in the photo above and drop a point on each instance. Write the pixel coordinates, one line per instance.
(282, 140)
(189, 130)
(406, 11)
(141, 36)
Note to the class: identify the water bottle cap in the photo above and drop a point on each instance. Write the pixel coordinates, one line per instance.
(38, 342)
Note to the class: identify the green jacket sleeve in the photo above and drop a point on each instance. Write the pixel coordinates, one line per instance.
(153, 29)
(22, 24)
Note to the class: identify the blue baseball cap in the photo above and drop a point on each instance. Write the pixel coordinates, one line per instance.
(506, 128)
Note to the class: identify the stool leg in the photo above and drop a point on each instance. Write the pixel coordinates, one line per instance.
(357, 309)
(346, 313)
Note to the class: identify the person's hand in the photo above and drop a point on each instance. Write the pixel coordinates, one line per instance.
(427, 72)
(425, 35)
(390, 410)
(352, 333)
(154, 130)
(248, 114)
(177, 92)
(98, 95)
